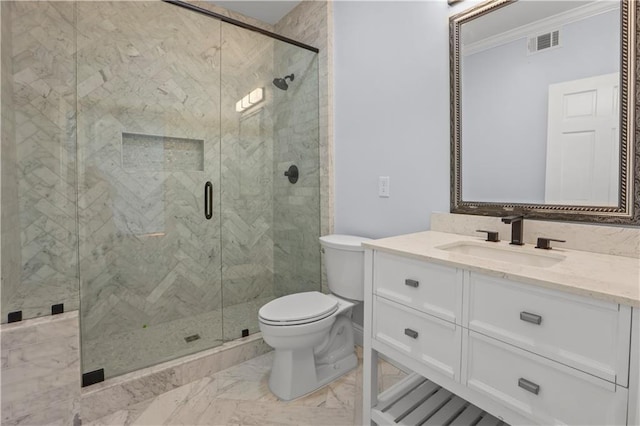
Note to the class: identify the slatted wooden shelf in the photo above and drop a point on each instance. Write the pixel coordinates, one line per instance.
(418, 401)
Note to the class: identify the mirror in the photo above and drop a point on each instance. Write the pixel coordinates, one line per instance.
(543, 110)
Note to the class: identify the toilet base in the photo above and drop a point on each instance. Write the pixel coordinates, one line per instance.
(329, 372)
(308, 356)
(289, 383)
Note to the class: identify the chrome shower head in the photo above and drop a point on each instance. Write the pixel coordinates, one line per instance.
(281, 83)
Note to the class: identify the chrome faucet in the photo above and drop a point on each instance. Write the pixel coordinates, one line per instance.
(516, 229)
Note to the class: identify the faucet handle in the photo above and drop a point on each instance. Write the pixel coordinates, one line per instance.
(545, 243)
(491, 235)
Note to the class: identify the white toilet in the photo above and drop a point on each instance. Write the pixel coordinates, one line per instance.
(311, 332)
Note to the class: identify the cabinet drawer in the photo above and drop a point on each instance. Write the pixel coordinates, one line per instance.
(590, 335)
(428, 339)
(430, 288)
(565, 395)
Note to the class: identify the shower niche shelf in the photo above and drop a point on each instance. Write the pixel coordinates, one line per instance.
(419, 401)
(161, 153)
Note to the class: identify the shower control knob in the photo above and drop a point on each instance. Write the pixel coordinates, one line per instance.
(292, 174)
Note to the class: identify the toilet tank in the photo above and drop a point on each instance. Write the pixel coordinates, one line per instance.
(344, 263)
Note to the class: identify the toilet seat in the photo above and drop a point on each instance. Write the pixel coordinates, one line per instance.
(298, 308)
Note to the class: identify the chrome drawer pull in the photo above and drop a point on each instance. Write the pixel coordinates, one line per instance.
(528, 386)
(411, 283)
(411, 333)
(532, 318)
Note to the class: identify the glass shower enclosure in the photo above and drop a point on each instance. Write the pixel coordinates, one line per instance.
(167, 216)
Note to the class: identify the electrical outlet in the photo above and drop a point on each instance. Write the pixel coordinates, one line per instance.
(383, 186)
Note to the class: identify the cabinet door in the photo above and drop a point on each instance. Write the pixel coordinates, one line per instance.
(584, 333)
(427, 287)
(430, 340)
(543, 390)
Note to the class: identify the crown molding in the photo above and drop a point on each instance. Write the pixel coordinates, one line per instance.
(542, 26)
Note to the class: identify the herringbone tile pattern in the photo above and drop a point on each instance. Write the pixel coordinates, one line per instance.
(131, 232)
(148, 256)
(42, 70)
(297, 207)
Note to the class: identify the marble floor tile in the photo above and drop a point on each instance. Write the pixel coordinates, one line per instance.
(240, 396)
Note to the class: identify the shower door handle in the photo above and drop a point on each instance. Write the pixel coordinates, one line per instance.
(208, 200)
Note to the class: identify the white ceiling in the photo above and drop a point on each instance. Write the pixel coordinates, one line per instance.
(268, 11)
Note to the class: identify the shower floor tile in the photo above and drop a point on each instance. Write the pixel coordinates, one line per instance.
(240, 396)
(132, 350)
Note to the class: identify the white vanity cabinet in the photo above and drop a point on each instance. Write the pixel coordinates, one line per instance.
(429, 340)
(584, 333)
(539, 388)
(524, 353)
(430, 288)
(419, 311)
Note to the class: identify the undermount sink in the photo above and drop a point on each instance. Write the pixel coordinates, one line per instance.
(503, 254)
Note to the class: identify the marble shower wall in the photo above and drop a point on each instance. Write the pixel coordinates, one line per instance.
(39, 237)
(247, 179)
(149, 257)
(149, 260)
(147, 85)
(311, 22)
(10, 229)
(297, 206)
(270, 227)
(39, 39)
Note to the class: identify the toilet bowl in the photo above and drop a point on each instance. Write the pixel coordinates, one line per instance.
(311, 332)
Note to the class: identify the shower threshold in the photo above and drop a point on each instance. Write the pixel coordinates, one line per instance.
(124, 391)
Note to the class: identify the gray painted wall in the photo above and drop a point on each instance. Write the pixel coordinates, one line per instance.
(506, 159)
(391, 115)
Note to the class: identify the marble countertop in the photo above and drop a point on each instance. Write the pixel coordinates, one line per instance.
(600, 276)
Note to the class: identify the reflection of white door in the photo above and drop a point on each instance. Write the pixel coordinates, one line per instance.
(583, 142)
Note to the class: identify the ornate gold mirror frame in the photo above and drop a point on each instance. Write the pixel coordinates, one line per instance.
(628, 210)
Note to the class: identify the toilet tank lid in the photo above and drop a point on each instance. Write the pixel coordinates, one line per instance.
(343, 242)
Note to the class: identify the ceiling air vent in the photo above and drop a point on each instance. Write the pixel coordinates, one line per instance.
(544, 41)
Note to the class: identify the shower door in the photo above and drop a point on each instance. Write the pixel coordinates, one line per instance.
(148, 77)
(187, 224)
(269, 226)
